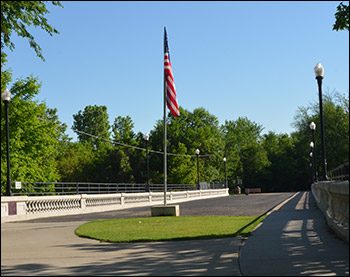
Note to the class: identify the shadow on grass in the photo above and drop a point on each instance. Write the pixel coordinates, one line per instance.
(241, 232)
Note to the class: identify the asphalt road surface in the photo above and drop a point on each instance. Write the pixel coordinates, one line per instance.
(237, 205)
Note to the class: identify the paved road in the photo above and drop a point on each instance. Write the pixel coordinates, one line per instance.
(50, 247)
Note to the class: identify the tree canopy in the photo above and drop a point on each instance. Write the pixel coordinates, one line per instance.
(92, 121)
(341, 18)
(18, 16)
(35, 135)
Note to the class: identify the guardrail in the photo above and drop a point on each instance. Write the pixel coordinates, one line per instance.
(332, 198)
(340, 173)
(70, 188)
(15, 208)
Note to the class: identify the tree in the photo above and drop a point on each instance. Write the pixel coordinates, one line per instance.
(92, 121)
(130, 163)
(123, 130)
(246, 158)
(17, 16)
(185, 134)
(336, 124)
(341, 18)
(138, 160)
(75, 162)
(281, 174)
(35, 134)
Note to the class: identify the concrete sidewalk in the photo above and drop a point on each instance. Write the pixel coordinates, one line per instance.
(294, 240)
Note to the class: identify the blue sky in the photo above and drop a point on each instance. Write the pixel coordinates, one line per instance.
(249, 59)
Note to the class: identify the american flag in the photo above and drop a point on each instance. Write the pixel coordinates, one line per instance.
(169, 80)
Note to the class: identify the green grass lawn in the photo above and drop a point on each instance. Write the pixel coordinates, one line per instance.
(168, 228)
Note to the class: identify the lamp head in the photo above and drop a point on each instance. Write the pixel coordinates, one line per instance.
(197, 151)
(6, 95)
(312, 126)
(319, 70)
(146, 136)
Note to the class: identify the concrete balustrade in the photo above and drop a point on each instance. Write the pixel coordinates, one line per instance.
(17, 208)
(332, 197)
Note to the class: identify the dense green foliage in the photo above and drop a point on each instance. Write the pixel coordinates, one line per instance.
(36, 135)
(40, 150)
(94, 121)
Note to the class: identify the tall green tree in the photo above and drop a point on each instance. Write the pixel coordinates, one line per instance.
(281, 173)
(201, 130)
(246, 157)
(189, 131)
(123, 132)
(336, 125)
(92, 121)
(35, 135)
(18, 16)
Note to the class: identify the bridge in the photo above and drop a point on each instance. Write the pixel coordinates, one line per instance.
(293, 240)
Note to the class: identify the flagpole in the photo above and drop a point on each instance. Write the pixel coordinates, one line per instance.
(165, 133)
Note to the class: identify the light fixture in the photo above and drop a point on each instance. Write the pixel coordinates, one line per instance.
(319, 70)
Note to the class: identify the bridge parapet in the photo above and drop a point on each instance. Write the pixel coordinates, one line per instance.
(16, 208)
(332, 198)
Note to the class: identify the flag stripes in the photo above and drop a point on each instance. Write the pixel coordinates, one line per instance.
(169, 81)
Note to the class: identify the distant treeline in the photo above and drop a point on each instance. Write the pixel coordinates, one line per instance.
(41, 151)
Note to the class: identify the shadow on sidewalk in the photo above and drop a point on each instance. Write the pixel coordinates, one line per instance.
(213, 257)
(295, 240)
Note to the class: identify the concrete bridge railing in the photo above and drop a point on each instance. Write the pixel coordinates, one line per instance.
(332, 197)
(16, 208)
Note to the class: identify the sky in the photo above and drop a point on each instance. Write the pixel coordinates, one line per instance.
(251, 59)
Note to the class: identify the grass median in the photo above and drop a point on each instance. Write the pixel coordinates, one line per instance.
(168, 228)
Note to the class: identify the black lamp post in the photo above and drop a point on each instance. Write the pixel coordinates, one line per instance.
(6, 97)
(146, 137)
(312, 168)
(319, 71)
(197, 153)
(313, 148)
(224, 159)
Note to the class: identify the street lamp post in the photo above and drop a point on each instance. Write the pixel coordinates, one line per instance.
(313, 146)
(312, 168)
(146, 137)
(319, 71)
(313, 152)
(197, 153)
(225, 171)
(6, 97)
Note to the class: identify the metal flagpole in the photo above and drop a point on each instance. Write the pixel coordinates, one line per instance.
(165, 134)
